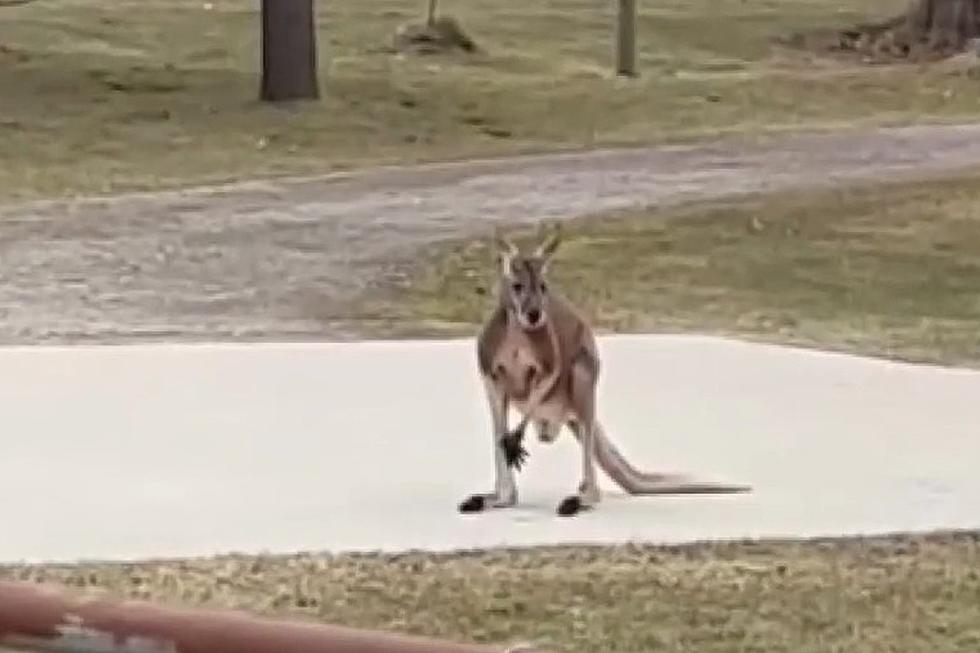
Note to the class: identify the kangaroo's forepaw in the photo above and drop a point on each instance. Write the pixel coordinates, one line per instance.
(474, 503)
(514, 452)
(570, 506)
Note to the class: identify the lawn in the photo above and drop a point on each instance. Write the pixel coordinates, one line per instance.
(99, 97)
(888, 270)
(899, 593)
(103, 96)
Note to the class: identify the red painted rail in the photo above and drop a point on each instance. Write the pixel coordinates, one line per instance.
(42, 618)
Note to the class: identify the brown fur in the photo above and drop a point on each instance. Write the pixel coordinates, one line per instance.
(548, 369)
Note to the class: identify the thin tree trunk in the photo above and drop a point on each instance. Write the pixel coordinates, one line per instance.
(626, 38)
(289, 52)
(431, 17)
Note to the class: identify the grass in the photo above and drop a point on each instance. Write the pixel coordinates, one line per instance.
(884, 269)
(105, 96)
(898, 593)
(102, 96)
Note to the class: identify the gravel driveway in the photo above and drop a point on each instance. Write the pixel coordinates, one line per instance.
(282, 260)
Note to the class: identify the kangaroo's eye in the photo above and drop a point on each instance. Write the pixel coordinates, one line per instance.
(518, 287)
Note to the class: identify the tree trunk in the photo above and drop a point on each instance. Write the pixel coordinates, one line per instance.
(944, 24)
(430, 19)
(930, 29)
(289, 53)
(626, 38)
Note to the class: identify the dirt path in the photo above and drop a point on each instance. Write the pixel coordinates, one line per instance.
(281, 260)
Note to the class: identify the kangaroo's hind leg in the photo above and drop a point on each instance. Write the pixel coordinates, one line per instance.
(585, 377)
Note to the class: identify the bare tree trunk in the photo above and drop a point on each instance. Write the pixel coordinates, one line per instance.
(931, 28)
(942, 23)
(289, 52)
(626, 38)
(431, 17)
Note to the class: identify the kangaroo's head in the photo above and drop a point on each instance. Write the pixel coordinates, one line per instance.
(522, 288)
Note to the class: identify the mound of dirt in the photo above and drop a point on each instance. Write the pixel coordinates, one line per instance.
(443, 35)
(931, 30)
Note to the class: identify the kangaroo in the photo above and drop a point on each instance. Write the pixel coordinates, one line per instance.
(537, 354)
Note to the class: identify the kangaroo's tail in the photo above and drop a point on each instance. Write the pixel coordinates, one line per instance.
(634, 481)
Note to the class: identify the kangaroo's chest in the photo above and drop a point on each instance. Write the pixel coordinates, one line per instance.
(520, 370)
(517, 370)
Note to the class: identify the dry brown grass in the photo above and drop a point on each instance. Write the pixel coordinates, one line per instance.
(905, 593)
(884, 270)
(102, 96)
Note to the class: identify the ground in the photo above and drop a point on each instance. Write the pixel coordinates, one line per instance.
(834, 246)
(322, 258)
(880, 269)
(908, 593)
(106, 96)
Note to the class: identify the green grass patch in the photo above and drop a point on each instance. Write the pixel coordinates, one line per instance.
(103, 96)
(885, 269)
(916, 594)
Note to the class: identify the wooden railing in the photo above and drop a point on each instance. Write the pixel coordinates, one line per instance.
(36, 618)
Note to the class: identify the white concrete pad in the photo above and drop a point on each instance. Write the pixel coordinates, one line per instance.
(136, 451)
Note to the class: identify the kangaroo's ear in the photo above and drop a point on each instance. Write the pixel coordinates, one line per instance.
(505, 250)
(549, 245)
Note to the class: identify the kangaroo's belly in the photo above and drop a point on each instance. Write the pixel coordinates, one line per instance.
(516, 385)
(516, 375)
(519, 375)
(554, 411)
